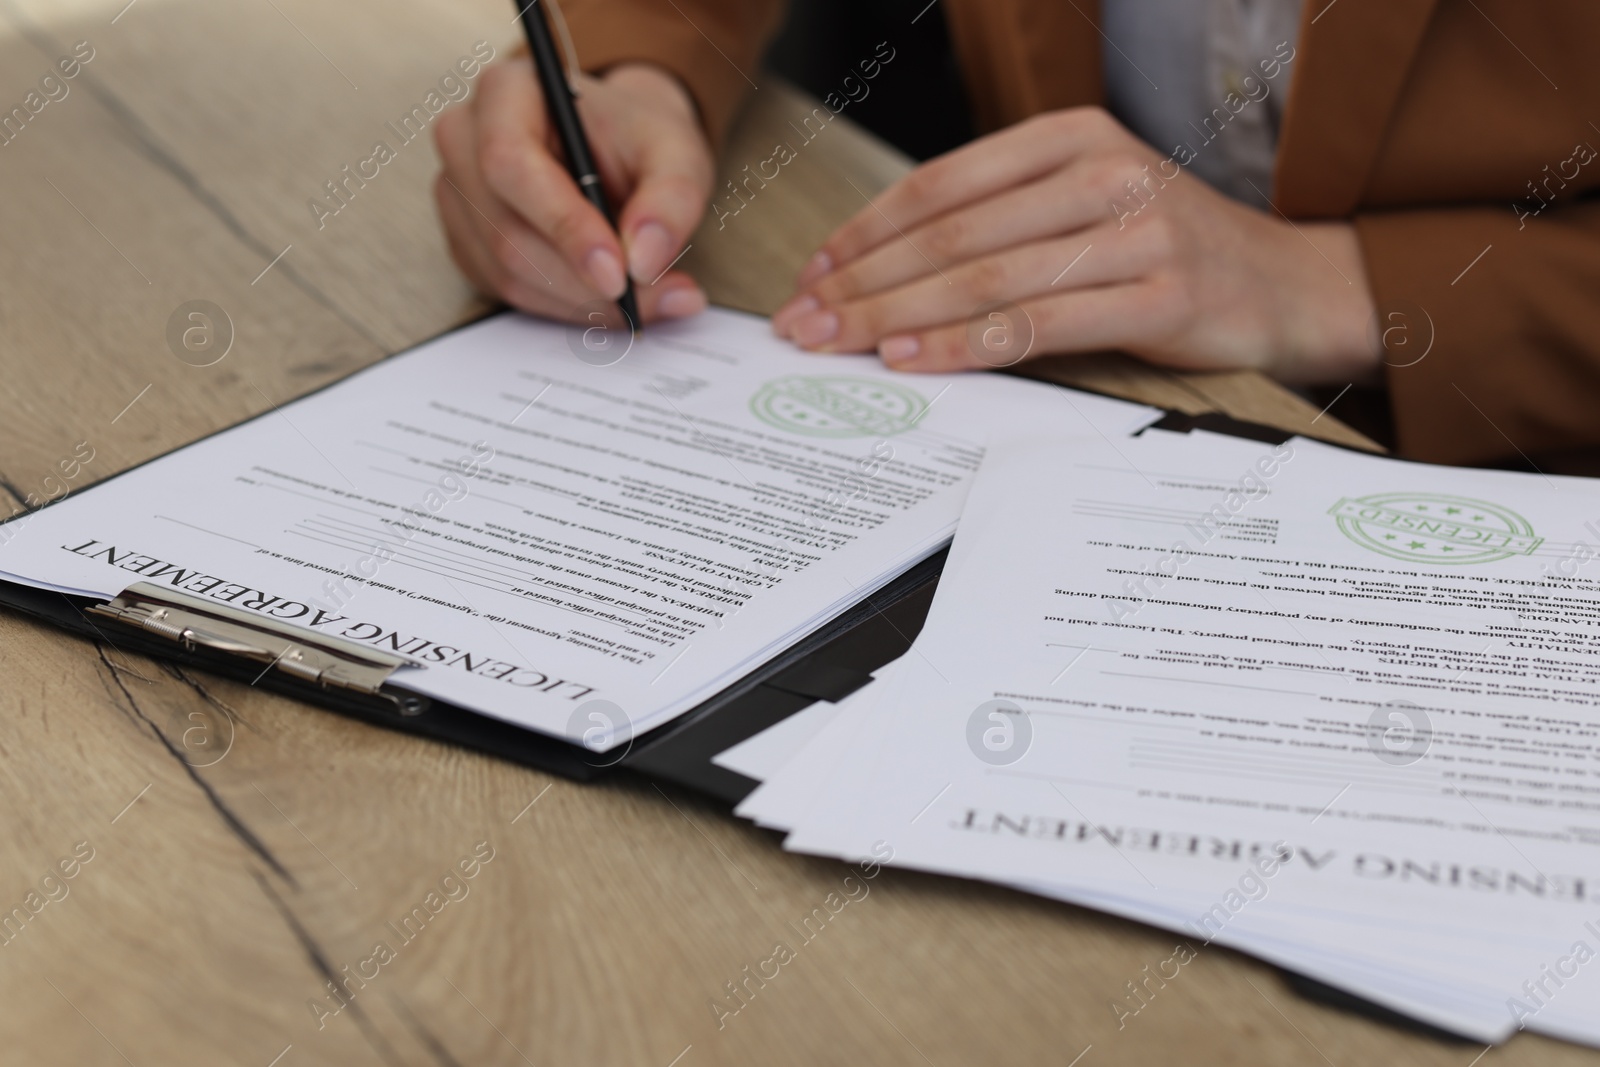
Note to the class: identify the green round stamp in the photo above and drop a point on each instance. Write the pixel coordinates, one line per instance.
(836, 406)
(1434, 528)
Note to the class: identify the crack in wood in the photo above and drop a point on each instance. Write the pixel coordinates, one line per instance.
(138, 721)
(145, 141)
(229, 819)
(17, 494)
(129, 670)
(319, 961)
(419, 1030)
(217, 702)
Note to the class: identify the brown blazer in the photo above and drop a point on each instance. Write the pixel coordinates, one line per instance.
(1444, 129)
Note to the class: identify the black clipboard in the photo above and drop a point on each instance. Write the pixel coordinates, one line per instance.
(828, 664)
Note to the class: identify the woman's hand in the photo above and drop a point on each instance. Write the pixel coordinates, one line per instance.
(1102, 244)
(517, 225)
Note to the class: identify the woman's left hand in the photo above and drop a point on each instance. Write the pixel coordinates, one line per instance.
(1102, 244)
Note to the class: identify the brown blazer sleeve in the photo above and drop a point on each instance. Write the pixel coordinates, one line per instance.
(1455, 136)
(714, 46)
(1515, 360)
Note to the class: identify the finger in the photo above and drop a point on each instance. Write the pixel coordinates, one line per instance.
(517, 253)
(1126, 316)
(500, 248)
(675, 296)
(519, 168)
(658, 219)
(1062, 202)
(1014, 275)
(506, 266)
(473, 239)
(1019, 154)
(673, 166)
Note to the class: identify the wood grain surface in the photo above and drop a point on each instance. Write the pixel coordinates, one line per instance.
(245, 849)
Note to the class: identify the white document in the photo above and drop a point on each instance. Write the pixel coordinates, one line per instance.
(538, 533)
(1158, 664)
(1317, 945)
(762, 755)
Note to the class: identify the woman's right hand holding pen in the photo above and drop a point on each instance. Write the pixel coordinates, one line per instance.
(519, 228)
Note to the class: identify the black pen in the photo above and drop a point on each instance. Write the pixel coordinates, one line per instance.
(564, 113)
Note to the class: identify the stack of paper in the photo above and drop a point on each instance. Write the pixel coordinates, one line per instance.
(1335, 710)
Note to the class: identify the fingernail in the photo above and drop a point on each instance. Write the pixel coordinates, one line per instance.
(605, 271)
(794, 309)
(815, 267)
(681, 303)
(899, 349)
(649, 252)
(816, 328)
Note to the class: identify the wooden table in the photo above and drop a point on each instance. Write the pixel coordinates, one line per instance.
(227, 885)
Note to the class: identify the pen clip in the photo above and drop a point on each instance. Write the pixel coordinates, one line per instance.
(569, 51)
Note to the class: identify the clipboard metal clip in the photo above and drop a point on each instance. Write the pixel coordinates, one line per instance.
(321, 659)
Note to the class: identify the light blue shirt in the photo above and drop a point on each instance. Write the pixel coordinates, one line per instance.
(1205, 82)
